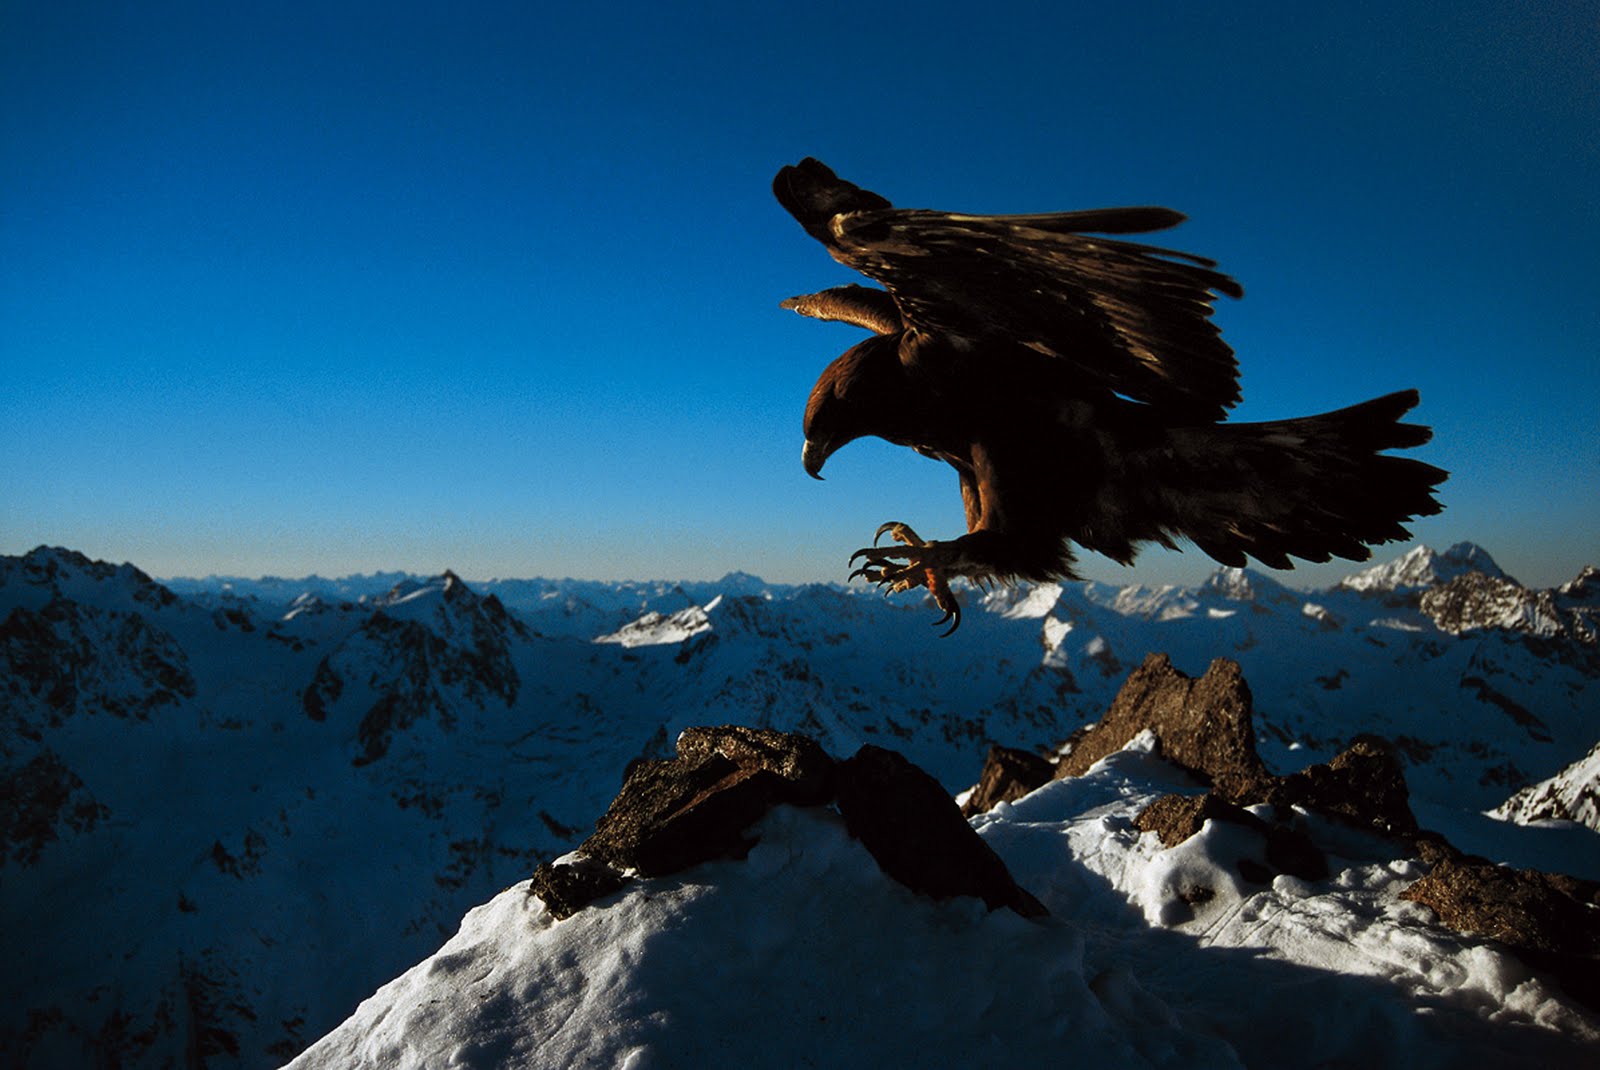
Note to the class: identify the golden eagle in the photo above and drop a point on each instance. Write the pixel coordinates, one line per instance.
(1077, 384)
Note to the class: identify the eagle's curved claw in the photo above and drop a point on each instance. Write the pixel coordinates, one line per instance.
(952, 613)
(915, 563)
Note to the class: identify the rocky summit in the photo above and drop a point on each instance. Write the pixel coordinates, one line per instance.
(672, 814)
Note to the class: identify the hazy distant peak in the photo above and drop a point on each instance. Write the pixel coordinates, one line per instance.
(1422, 567)
(1245, 585)
(53, 571)
(1585, 588)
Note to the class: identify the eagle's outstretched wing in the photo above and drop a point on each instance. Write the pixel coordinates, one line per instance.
(1135, 319)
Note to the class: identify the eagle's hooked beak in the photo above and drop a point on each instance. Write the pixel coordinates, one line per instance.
(813, 457)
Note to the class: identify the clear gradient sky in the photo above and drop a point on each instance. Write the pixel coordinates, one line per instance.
(338, 287)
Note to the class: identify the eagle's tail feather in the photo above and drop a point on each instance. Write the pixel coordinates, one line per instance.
(1312, 488)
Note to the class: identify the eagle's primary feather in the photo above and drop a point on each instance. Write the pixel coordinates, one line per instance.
(1076, 384)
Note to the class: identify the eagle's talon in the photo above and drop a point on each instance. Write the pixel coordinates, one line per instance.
(914, 563)
(900, 532)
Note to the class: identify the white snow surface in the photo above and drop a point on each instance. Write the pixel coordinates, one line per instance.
(806, 955)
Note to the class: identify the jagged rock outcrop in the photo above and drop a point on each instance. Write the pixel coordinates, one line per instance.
(1008, 774)
(1204, 725)
(1363, 785)
(674, 813)
(1552, 921)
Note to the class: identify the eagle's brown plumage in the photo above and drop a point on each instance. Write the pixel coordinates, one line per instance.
(1076, 384)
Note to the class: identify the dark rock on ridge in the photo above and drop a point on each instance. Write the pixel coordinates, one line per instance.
(916, 832)
(1174, 818)
(1363, 785)
(1205, 725)
(573, 882)
(675, 813)
(1008, 774)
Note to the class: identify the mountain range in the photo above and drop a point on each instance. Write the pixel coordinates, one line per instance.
(234, 808)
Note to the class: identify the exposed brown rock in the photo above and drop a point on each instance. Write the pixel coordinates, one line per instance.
(673, 814)
(1008, 774)
(1174, 818)
(1549, 919)
(573, 883)
(1203, 725)
(798, 759)
(1521, 907)
(1364, 785)
(916, 832)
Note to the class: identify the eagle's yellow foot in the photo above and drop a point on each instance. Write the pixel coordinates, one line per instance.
(916, 563)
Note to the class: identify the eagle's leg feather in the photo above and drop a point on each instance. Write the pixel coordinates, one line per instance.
(918, 564)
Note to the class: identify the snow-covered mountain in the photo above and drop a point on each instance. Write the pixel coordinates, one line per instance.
(806, 953)
(1421, 568)
(1571, 795)
(233, 809)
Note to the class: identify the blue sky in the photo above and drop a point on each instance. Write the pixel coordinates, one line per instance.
(345, 287)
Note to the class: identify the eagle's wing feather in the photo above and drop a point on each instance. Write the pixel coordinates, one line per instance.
(1134, 318)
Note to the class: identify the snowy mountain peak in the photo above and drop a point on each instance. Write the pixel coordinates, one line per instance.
(1022, 602)
(1585, 588)
(1423, 567)
(1245, 585)
(656, 629)
(49, 572)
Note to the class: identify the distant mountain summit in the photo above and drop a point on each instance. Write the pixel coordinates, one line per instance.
(51, 572)
(428, 648)
(1246, 585)
(1476, 600)
(1424, 567)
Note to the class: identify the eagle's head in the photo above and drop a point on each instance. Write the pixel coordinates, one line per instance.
(858, 394)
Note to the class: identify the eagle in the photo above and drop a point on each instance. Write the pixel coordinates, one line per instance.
(1078, 386)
